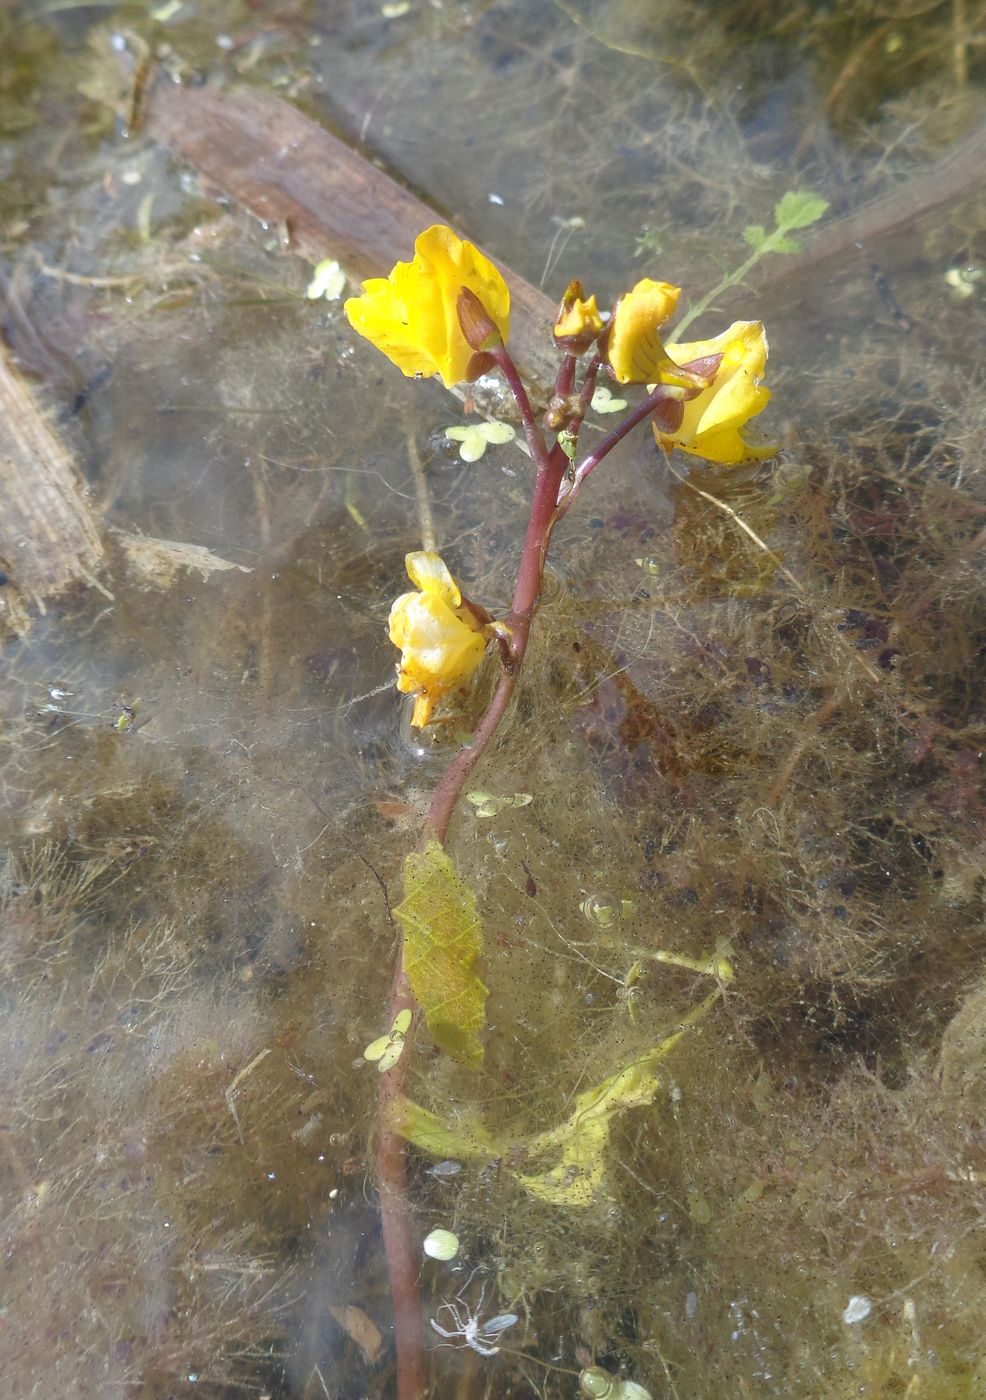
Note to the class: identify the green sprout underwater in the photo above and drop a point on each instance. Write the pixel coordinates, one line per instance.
(447, 313)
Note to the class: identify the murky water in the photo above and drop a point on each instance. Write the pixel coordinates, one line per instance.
(751, 724)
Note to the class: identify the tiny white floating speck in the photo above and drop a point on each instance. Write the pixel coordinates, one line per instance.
(329, 281)
(857, 1309)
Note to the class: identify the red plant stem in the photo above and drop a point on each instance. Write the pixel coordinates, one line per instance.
(399, 1245)
(574, 425)
(588, 387)
(527, 590)
(450, 786)
(566, 376)
(391, 1169)
(661, 394)
(626, 425)
(535, 439)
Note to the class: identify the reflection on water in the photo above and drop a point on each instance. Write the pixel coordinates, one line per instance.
(751, 724)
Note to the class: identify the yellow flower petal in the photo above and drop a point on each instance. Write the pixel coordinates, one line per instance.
(634, 351)
(381, 318)
(712, 423)
(411, 315)
(578, 316)
(430, 572)
(441, 641)
(440, 649)
(421, 714)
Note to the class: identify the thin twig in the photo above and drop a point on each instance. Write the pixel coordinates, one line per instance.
(960, 42)
(426, 521)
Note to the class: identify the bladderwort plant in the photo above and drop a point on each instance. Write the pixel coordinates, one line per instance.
(447, 313)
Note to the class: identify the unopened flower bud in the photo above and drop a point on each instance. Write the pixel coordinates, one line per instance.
(478, 326)
(560, 409)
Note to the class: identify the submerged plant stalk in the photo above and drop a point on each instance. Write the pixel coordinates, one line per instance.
(391, 1171)
(447, 313)
(398, 1241)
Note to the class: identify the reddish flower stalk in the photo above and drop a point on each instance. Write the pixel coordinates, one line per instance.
(411, 317)
(549, 503)
(401, 1251)
(662, 396)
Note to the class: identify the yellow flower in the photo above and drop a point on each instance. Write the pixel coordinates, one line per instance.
(411, 315)
(711, 424)
(441, 641)
(634, 349)
(578, 321)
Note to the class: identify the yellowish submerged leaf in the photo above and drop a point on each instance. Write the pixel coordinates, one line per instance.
(578, 1177)
(469, 1139)
(442, 940)
(578, 1145)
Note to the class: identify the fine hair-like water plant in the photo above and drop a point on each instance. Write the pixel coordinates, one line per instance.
(447, 313)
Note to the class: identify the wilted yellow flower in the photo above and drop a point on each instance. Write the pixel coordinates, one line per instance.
(441, 641)
(712, 423)
(634, 350)
(411, 315)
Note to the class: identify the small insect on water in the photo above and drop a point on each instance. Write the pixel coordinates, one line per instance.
(468, 1325)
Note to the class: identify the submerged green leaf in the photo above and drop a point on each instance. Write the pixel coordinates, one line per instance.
(328, 281)
(578, 1176)
(386, 1050)
(599, 1384)
(488, 804)
(442, 940)
(799, 208)
(603, 401)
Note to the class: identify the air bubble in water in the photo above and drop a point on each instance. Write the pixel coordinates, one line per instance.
(602, 910)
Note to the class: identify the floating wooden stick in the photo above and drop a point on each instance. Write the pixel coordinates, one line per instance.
(327, 200)
(49, 538)
(290, 171)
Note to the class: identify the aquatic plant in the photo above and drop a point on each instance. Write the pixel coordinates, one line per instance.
(447, 313)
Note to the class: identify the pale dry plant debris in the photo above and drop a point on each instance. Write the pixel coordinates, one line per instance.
(51, 535)
(157, 562)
